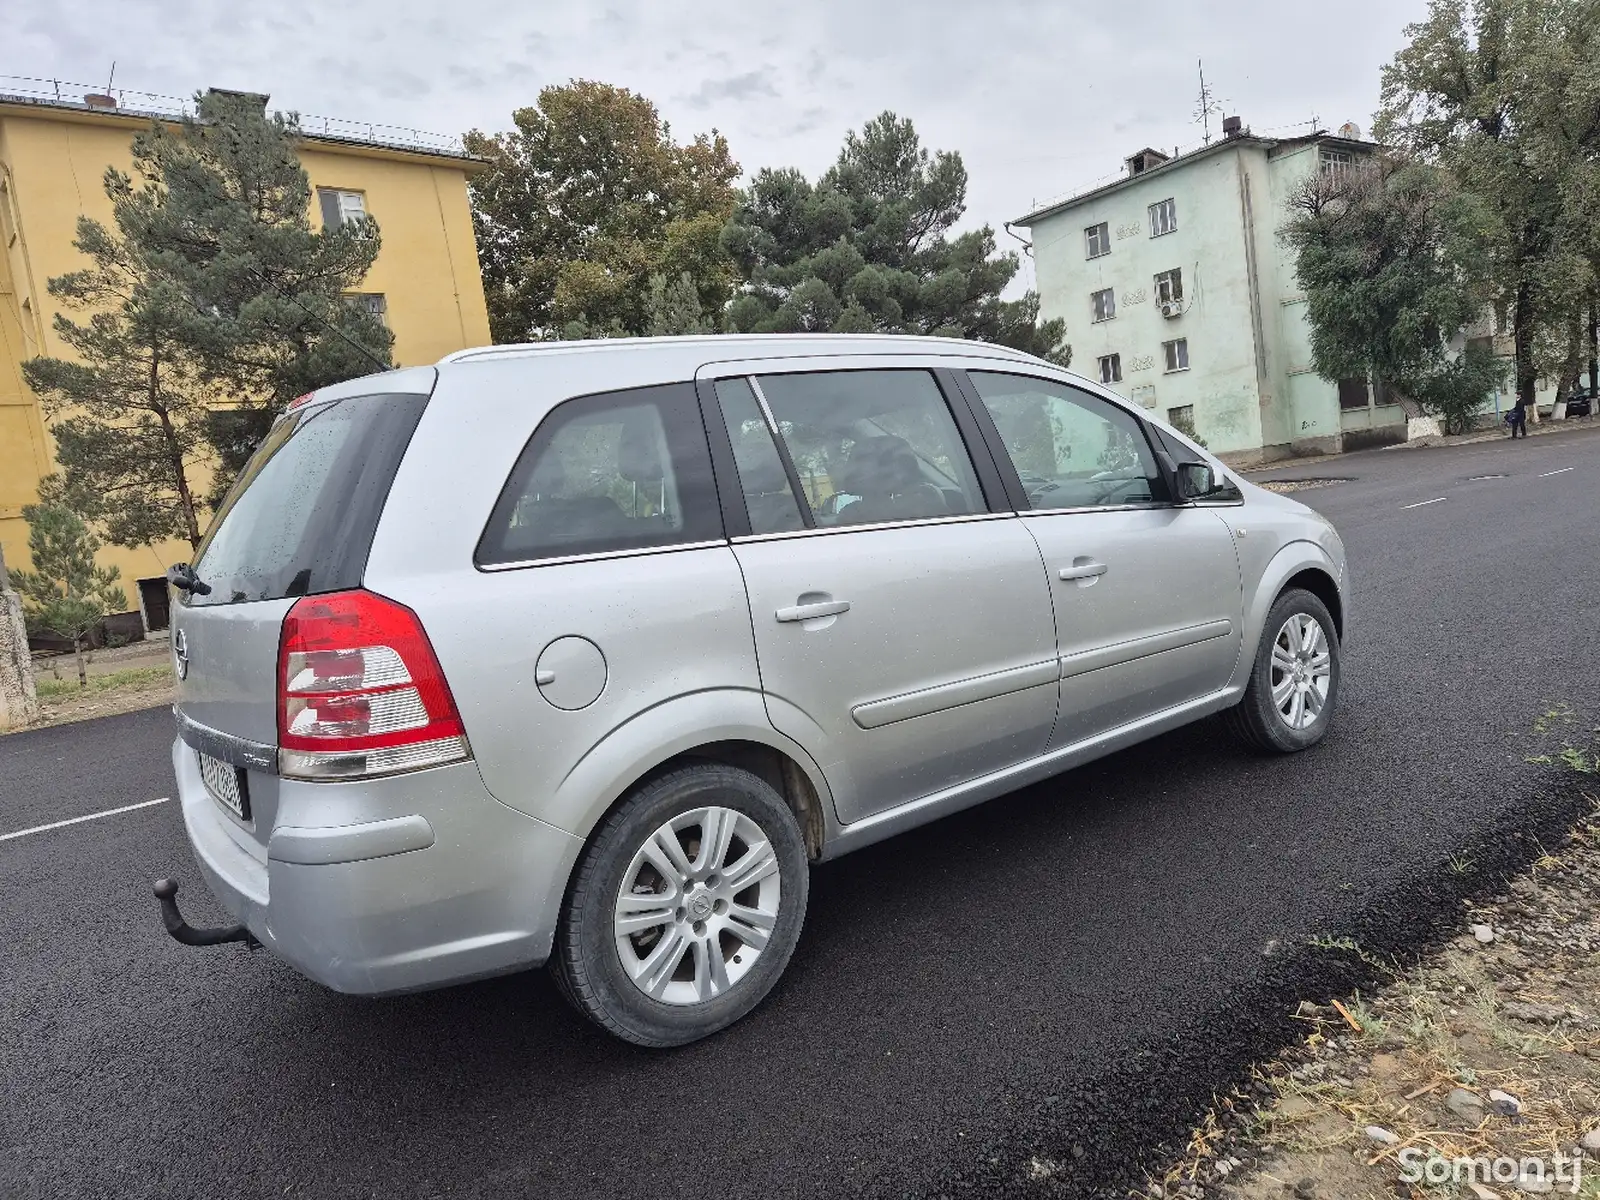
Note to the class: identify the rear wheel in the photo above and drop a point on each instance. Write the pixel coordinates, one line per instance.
(1294, 682)
(685, 908)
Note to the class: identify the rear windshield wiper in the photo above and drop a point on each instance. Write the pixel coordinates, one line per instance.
(182, 577)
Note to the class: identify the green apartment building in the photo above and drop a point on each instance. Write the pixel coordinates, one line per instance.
(1179, 296)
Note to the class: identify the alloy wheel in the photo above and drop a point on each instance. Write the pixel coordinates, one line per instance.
(697, 905)
(1302, 671)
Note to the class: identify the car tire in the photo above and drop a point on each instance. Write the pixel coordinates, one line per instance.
(716, 907)
(1273, 725)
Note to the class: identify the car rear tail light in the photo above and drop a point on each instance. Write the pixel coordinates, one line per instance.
(360, 691)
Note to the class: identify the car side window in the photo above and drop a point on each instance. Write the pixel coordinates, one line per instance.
(615, 471)
(873, 445)
(768, 497)
(1071, 449)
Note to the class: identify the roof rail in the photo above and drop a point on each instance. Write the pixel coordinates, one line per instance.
(902, 342)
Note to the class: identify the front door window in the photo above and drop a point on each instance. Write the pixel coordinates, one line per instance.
(1072, 450)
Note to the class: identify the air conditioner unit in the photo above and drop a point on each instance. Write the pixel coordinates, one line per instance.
(1170, 308)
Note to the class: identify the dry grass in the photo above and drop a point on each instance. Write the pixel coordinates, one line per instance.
(62, 701)
(117, 681)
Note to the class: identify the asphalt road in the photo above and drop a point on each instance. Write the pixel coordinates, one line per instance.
(1022, 998)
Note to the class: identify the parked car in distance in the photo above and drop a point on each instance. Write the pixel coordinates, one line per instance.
(1580, 403)
(580, 654)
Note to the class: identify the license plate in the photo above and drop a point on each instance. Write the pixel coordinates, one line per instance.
(226, 784)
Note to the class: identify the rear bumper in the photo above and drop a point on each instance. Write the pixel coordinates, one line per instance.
(392, 885)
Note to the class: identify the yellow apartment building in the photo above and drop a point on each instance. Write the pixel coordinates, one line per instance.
(53, 154)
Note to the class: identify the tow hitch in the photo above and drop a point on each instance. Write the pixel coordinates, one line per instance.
(167, 894)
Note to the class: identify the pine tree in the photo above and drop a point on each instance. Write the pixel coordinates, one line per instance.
(868, 248)
(673, 309)
(225, 211)
(65, 593)
(129, 410)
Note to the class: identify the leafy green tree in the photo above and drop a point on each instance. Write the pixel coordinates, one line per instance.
(1502, 93)
(584, 203)
(224, 214)
(65, 593)
(1395, 265)
(868, 247)
(128, 412)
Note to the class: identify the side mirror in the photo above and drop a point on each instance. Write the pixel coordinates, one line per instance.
(1195, 479)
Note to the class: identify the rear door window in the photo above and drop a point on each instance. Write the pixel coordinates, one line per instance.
(768, 498)
(606, 473)
(300, 518)
(873, 446)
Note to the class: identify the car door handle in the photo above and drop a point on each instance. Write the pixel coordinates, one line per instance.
(809, 612)
(1086, 570)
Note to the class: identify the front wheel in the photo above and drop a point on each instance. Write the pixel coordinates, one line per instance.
(685, 908)
(1294, 681)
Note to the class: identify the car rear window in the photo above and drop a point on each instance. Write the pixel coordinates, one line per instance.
(301, 517)
(607, 473)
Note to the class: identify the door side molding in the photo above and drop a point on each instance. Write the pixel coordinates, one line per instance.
(892, 709)
(1157, 643)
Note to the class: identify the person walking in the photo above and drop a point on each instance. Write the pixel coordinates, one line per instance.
(1518, 416)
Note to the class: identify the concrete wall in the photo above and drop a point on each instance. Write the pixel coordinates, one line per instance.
(19, 704)
(52, 162)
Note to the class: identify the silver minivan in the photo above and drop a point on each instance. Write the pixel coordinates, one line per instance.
(581, 653)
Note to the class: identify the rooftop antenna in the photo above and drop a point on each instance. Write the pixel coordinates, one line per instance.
(111, 76)
(1208, 103)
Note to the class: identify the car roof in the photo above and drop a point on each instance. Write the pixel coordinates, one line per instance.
(702, 348)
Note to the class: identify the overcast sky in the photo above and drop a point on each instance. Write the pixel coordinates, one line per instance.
(1040, 98)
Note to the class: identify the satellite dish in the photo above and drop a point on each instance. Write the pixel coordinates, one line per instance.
(1350, 130)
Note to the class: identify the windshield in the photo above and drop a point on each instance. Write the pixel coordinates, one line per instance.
(300, 518)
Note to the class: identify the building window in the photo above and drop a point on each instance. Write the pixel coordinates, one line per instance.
(1104, 304)
(1336, 161)
(1163, 217)
(1177, 353)
(1169, 286)
(1111, 368)
(1098, 239)
(1182, 419)
(372, 303)
(340, 206)
(1353, 393)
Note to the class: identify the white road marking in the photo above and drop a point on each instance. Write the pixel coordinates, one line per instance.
(1562, 471)
(110, 812)
(1420, 503)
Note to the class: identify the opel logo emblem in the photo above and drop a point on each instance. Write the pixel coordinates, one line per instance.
(180, 654)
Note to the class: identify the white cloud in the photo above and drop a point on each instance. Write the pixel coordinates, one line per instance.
(1039, 97)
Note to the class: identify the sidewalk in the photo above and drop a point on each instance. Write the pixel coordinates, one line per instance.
(1544, 428)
